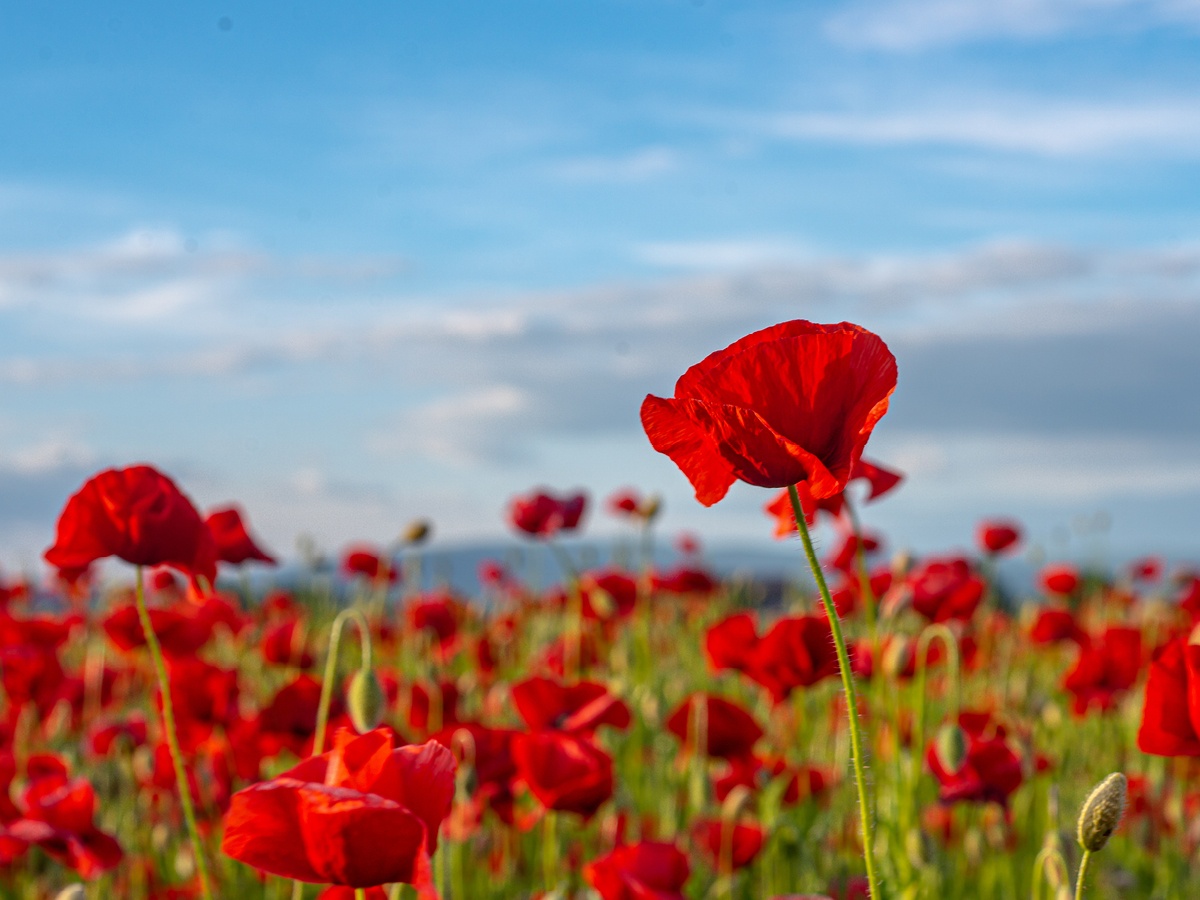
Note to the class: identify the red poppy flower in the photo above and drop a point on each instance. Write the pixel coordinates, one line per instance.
(361, 815)
(991, 771)
(438, 613)
(647, 870)
(732, 643)
(1053, 626)
(1171, 709)
(581, 708)
(138, 515)
(1108, 665)
(1148, 569)
(685, 579)
(491, 761)
(798, 651)
(1059, 578)
(880, 478)
(234, 544)
(565, 772)
(365, 561)
(625, 502)
(729, 846)
(998, 536)
(729, 730)
(542, 514)
(57, 815)
(755, 773)
(945, 588)
(181, 630)
(285, 645)
(792, 403)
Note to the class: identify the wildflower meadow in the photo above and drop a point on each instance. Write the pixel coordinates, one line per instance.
(894, 727)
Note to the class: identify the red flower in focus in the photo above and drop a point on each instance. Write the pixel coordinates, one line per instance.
(1108, 665)
(1171, 709)
(565, 772)
(542, 514)
(792, 403)
(647, 870)
(361, 815)
(580, 708)
(991, 770)
(945, 589)
(234, 544)
(370, 564)
(998, 536)
(729, 730)
(1059, 578)
(138, 515)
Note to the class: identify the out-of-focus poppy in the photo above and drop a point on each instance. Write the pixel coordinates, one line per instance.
(582, 707)
(138, 515)
(370, 564)
(729, 730)
(361, 815)
(542, 514)
(1171, 708)
(57, 815)
(945, 588)
(996, 536)
(1108, 665)
(729, 846)
(233, 540)
(990, 770)
(563, 771)
(647, 870)
(1059, 578)
(792, 403)
(1053, 626)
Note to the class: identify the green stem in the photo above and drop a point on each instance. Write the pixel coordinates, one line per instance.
(168, 714)
(360, 894)
(335, 636)
(1083, 867)
(856, 748)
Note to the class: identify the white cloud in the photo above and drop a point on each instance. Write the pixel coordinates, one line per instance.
(907, 25)
(1053, 129)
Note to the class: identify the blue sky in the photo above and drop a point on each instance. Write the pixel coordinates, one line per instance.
(355, 266)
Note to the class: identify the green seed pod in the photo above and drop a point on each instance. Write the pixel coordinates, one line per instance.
(365, 700)
(950, 744)
(1102, 811)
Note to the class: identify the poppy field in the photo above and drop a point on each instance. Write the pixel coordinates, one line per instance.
(892, 727)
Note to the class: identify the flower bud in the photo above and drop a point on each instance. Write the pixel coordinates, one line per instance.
(365, 700)
(1102, 811)
(417, 532)
(71, 892)
(950, 744)
(650, 507)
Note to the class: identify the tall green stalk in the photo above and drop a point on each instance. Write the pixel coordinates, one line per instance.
(856, 744)
(168, 714)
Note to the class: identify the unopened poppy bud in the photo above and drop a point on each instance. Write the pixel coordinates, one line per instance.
(365, 700)
(71, 892)
(896, 656)
(417, 532)
(651, 507)
(1102, 811)
(950, 744)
